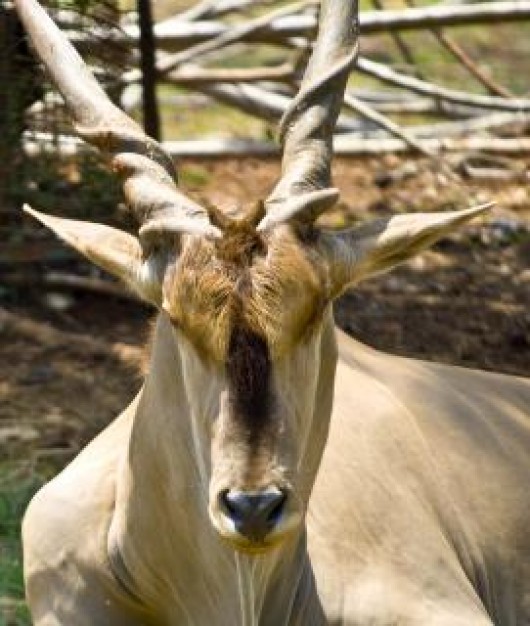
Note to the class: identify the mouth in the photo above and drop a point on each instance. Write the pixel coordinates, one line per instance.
(251, 548)
(255, 547)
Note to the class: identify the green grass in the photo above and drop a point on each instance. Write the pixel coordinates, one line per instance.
(18, 482)
(213, 120)
(194, 177)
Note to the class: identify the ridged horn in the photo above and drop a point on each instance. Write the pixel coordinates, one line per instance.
(147, 171)
(306, 130)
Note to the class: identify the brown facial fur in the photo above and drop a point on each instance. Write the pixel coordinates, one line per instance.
(272, 285)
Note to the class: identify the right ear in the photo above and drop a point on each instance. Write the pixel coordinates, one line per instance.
(375, 247)
(111, 249)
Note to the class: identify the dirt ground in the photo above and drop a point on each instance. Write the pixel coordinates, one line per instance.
(71, 360)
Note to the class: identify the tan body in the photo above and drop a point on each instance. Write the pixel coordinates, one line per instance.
(419, 513)
(213, 499)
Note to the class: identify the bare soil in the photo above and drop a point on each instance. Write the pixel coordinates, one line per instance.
(69, 365)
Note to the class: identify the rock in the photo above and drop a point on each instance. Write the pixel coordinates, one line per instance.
(15, 433)
(60, 302)
(524, 277)
(38, 375)
(387, 177)
(504, 230)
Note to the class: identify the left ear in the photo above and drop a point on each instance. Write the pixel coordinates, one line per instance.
(111, 249)
(378, 246)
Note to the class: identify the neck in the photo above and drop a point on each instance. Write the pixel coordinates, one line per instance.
(161, 530)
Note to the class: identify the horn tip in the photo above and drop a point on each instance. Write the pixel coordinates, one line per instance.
(482, 208)
(266, 223)
(475, 211)
(29, 211)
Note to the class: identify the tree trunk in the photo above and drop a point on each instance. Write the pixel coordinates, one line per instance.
(20, 86)
(148, 69)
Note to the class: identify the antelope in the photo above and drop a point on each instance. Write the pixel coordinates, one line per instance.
(273, 471)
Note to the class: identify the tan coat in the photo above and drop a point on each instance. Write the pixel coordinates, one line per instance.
(419, 514)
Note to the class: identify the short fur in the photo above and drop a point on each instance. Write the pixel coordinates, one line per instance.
(417, 509)
(248, 369)
(206, 294)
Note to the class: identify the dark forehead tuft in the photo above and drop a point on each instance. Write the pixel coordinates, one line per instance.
(248, 368)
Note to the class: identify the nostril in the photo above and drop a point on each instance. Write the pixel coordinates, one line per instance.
(276, 509)
(229, 505)
(254, 514)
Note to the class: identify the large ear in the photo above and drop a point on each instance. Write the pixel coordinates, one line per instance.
(111, 249)
(375, 247)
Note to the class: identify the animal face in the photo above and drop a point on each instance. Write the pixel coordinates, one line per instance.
(253, 308)
(251, 311)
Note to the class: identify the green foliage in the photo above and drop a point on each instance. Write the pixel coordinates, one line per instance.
(17, 486)
(211, 120)
(83, 188)
(195, 177)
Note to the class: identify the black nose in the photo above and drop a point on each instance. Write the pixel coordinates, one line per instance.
(254, 514)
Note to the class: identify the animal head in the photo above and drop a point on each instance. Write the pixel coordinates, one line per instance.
(247, 296)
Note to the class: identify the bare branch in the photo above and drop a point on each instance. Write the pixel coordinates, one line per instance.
(401, 44)
(456, 50)
(473, 125)
(350, 146)
(261, 103)
(251, 99)
(345, 145)
(390, 76)
(192, 74)
(442, 15)
(234, 35)
(209, 9)
(424, 106)
(470, 65)
(228, 37)
(172, 35)
(381, 120)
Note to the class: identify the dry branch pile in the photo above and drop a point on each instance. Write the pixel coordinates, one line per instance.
(201, 49)
(487, 116)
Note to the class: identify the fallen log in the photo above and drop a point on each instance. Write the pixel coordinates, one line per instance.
(174, 35)
(261, 103)
(228, 37)
(208, 9)
(192, 75)
(69, 282)
(345, 145)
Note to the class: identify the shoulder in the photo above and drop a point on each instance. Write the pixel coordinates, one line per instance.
(71, 514)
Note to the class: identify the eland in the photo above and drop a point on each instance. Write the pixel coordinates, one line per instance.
(273, 471)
